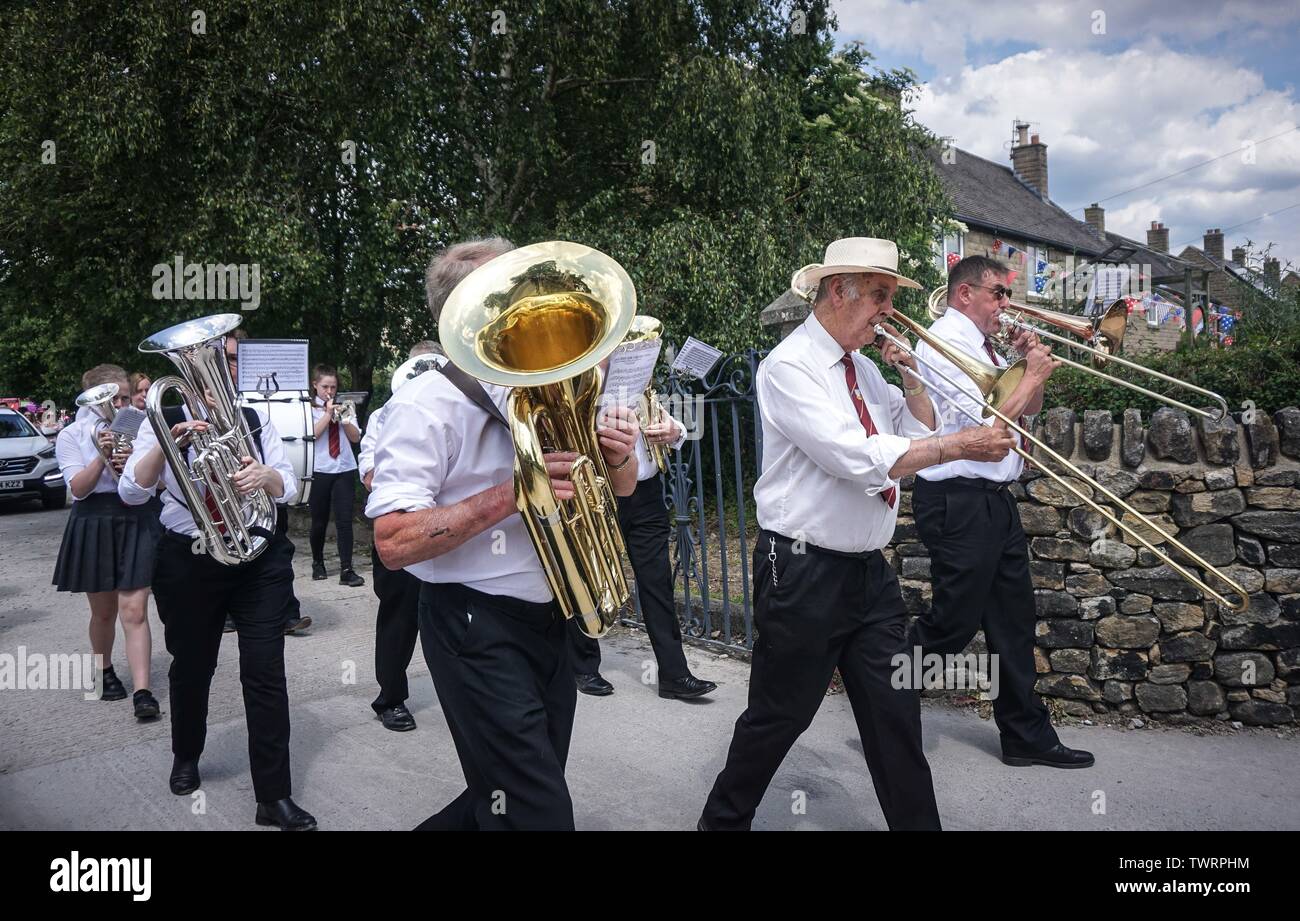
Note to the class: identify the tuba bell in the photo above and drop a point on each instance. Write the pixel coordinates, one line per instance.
(541, 319)
(236, 529)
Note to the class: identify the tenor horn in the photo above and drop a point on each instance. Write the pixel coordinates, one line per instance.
(541, 319)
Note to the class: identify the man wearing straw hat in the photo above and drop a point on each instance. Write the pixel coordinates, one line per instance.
(836, 440)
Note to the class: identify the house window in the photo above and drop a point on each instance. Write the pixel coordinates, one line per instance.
(1037, 281)
(952, 244)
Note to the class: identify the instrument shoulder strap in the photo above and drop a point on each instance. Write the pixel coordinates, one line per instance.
(473, 390)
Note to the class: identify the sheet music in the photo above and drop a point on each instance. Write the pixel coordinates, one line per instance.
(696, 357)
(127, 421)
(271, 365)
(631, 367)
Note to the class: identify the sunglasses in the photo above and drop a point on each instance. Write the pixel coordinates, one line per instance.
(999, 291)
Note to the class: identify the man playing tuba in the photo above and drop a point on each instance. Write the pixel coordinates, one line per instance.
(443, 503)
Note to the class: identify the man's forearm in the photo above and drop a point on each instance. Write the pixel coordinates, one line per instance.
(623, 482)
(924, 452)
(922, 409)
(404, 538)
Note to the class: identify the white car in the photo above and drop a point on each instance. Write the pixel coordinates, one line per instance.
(28, 469)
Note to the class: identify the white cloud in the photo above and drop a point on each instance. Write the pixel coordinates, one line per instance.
(1114, 121)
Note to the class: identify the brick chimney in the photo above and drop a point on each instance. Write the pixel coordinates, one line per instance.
(1095, 216)
(1158, 237)
(1214, 243)
(1272, 270)
(1029, 160)
(1239, 255)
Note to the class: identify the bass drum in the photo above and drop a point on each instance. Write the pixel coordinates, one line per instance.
(290, 412)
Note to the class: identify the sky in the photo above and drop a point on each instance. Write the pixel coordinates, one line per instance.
(1122, 94)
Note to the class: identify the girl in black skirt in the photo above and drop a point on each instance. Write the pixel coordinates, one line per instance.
(333, 478)
(108, 546)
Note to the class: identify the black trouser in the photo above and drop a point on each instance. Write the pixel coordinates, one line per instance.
(291, 608)
(644, 522)
(396, 629)
(826, 611)
(979, 571)
(194, 594)
(501, 670)
(336, 492)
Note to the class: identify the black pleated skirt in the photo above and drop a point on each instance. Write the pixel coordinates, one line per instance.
(108, 545)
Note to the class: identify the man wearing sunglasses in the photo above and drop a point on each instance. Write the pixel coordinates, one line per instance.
(968, 519)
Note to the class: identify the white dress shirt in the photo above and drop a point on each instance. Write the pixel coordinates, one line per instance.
(822, 476)
(175, 514)
(435, 447)
(646, 467)
(370, 437)
(75, 448)
(323, 463)
(957, 329)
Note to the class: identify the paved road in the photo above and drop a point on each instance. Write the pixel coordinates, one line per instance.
(637, 761)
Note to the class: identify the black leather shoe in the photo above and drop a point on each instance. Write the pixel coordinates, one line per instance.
(230, 625)
(296, 624)
(318, 571)
(594, 685)
(349, 577)
(112, 686)
(185, 777)
(398, 719)
(285, 815)
(1058, 756)
(685, 688)
(146, 705)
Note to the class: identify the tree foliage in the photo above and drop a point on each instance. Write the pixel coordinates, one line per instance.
(709, 146)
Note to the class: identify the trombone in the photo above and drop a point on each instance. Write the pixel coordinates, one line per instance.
(995, 385)
(1106, 335)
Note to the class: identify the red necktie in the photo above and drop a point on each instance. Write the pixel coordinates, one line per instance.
(334, 439)
(1021, 421)
(890, 495)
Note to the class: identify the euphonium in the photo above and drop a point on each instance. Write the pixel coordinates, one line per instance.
(242, 525)
(541, 319)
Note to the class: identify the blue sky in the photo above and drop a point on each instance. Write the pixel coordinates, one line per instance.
(1122, 94)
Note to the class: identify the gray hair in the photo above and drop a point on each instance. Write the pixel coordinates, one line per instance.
(450, 267)
(851, 289)
(427, 347)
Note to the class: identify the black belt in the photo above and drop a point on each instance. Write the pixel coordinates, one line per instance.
(965, 482)
(846, 554)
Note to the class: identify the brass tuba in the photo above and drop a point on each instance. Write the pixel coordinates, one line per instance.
(541, 319)
(242, 526)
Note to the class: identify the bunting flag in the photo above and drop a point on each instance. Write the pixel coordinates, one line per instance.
(953, 259)
(997, 246)
(1040, 277)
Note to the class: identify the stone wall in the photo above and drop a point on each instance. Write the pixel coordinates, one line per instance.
(1118, 631)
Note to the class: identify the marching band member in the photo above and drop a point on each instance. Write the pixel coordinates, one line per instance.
(396, 623)
(444, 509)
(108, 546)
(644, 522)
(195, 593)
(139, 388)
(836, 440)
(333, 480)
(970, 523)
